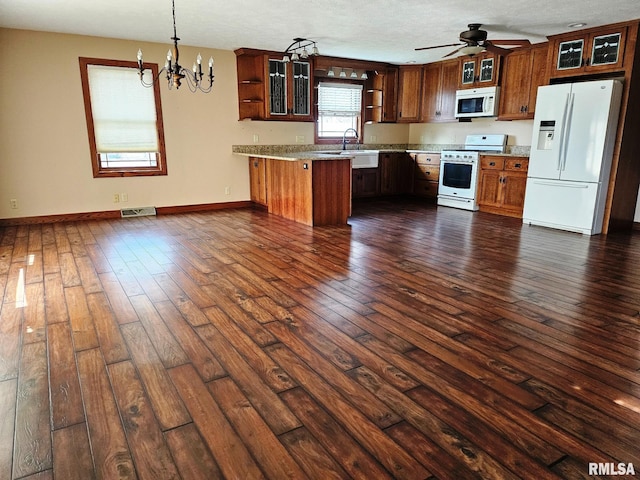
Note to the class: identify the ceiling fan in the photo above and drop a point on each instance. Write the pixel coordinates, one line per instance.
(475, 41)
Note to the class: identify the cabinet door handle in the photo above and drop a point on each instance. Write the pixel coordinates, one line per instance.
(492, 164)
(518, 165)
(255, 164)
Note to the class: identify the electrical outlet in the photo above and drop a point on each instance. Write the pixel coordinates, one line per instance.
(374, 139)
(14, 203)
(299, 138)
(227, 190)
(116, 198)
(256, 138)
(124, 197)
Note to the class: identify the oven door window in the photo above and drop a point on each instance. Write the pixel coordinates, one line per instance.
(457, 175)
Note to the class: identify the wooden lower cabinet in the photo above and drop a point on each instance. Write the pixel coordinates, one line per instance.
(396, 173)
(258, 180)
(426, 174)
(502, 184)
(365, 182)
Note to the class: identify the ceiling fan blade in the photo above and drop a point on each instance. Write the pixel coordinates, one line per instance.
(455, 51)
(439, 46)
(515, 43)
(490, 47)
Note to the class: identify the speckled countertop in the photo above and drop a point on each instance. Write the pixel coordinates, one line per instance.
(310, 152)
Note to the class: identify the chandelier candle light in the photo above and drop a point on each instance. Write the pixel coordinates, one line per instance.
(174, 71)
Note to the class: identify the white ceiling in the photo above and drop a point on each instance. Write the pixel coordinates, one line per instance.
(381, 30)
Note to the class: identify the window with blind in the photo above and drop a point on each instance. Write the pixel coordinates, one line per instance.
(339, 108)
(124, 119)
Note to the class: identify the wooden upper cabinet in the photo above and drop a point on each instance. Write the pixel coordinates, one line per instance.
(479, 71)
(380, 95)
(588, 51)
(390, 95)
(288, 89)
(270, 89)
(439, 85)
(524, 70)
(409, 94)
(251, 86)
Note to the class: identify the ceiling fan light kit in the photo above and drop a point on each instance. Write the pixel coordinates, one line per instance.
(474, 41)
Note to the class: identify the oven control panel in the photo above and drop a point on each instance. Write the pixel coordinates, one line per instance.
(460, 156)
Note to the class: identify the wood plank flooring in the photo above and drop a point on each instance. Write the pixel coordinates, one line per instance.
(416, 343)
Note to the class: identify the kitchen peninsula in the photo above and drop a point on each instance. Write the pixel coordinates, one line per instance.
(308, 187)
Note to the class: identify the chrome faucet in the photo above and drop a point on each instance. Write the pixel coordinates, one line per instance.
(344, 138)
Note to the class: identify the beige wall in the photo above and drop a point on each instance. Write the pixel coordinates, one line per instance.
(44, 150)
(454, 133)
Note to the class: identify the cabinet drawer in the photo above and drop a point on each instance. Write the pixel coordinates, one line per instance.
(517, 164)
(491, 163)
(428, 159)
(428, 172)
(425, 188)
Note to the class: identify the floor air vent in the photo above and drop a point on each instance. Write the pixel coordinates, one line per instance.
(137, 212)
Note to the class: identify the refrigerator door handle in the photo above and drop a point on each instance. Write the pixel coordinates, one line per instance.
(567, 132)
(563, 185)
(563, 126)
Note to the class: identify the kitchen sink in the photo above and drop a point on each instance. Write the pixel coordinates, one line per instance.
(361, 158)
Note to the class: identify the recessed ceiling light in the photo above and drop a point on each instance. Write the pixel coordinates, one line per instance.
(577, 25)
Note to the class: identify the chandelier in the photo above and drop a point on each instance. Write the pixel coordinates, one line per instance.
(299, 50)
(174, 72)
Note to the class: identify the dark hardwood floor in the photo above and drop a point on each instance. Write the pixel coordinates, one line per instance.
(418, 342)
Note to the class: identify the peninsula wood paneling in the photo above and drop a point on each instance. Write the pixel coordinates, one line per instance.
(310, 192)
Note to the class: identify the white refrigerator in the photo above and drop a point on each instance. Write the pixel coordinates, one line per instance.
(574, 131)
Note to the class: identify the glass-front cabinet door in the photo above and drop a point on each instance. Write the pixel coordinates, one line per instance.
(570, 54)
(605, 50)
(277, 87)
(479, 71)
(468, 72)
(289, 90)
(486, 70)
(593, 51)
(301, 88)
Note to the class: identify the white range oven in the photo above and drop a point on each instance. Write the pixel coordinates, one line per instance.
(459, 170)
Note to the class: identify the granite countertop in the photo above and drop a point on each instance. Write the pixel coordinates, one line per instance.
(294, 156)
(315, 152)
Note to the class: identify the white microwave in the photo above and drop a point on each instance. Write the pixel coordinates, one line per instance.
(477, 102)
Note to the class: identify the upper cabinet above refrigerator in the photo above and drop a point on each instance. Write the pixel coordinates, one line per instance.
(588, 51)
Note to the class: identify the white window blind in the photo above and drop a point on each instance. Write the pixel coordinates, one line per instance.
(124, 113)
(339, 99)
